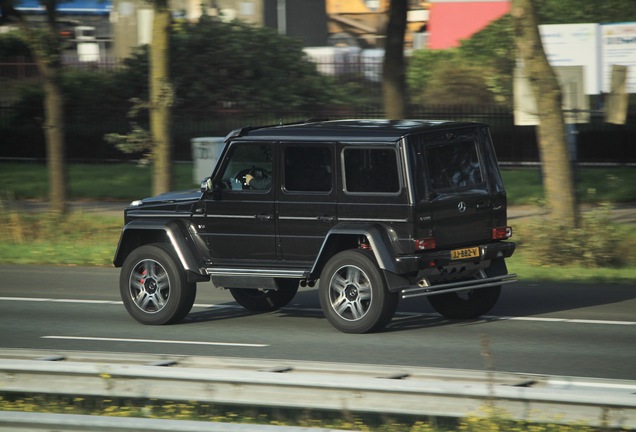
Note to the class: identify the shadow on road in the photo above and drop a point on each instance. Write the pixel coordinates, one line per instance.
(590, 301)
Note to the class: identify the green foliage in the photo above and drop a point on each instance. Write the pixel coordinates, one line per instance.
(421, 69)
(13, 45)
(138, 139)
(494, 48)
(478, 72)
(215, 62)
(585, 11)
(596, 243)
(223, 65)
(456, 82)
(45, 44)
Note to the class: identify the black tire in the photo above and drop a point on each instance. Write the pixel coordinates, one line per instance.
(154, 287)
(353, 294)
(473, 303)
(266, 300)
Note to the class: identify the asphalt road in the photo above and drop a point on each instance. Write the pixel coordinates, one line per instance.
(552, 329)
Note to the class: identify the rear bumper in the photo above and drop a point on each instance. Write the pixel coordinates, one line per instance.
(441, 258)
(435, 272)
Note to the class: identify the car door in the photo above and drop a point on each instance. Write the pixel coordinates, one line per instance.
(307, 199)
(240, 214)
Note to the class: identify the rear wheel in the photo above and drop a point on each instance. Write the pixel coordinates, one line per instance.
(266, 300)
(353, 294)
(471, 303)
(153, 286)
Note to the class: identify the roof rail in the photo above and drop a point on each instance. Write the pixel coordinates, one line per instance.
(245, 130)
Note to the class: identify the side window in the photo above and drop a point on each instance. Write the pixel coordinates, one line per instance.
(371, 170)
(454, 166)
(307, 169)
(248, 167)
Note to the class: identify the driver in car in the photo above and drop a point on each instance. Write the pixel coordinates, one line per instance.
(258, 180)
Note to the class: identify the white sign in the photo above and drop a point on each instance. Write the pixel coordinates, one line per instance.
(575, 104)
(618, 42)
(574, 45)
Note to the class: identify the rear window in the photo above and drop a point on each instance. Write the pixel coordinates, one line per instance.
(454, 166)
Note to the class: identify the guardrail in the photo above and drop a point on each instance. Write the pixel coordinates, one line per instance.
(13, 421)
(323, 386)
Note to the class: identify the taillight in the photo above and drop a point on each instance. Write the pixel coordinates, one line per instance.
(425, 243)
(501, 233)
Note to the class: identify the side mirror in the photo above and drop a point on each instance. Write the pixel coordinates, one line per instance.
(206, 185)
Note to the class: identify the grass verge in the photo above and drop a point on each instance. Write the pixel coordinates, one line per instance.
(127, 181)
(118, 181)
(91, 239)
(488, 419)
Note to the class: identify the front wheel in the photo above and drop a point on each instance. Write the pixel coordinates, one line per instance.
(266, 300)
(353, 294)
(153, 287)
(470, 304)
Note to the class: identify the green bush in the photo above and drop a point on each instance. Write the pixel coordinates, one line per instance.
(13, 45)
(595, 244)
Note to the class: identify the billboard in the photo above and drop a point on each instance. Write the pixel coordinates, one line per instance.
(574, 45)
(618, 47)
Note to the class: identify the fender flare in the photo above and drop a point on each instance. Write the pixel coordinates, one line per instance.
(345, 236)
(174, 232)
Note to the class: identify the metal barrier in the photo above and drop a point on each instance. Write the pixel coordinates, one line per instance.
(12, 421)
(323, 386)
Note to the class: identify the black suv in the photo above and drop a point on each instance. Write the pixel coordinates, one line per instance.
(371, 210)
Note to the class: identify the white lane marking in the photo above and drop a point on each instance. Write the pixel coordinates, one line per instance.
(111, 302)
(54, 300)
(566, 320)
(404, 314)
(157, 341)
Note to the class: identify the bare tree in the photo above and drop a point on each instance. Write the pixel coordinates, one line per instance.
(393, 68)
(46, 49)
(558, 179)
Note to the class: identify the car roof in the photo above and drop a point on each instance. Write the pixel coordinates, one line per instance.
(364, 130)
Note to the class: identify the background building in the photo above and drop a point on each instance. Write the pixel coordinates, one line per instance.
(451, 21)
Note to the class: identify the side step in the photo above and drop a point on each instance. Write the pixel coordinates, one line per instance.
(417, 291)
(260, 273)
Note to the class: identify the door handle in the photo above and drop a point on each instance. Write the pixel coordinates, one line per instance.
(264, 217)
(326, 218)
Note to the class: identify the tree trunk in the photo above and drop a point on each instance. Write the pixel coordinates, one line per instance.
(161, 99)
(55, 145)
(46, 50)
(558, 178)
(393, 82)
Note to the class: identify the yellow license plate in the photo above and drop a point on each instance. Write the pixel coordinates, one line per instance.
(465, 253)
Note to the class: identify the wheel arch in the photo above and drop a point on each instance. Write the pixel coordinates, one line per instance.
(347, 236)
(174, 233)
